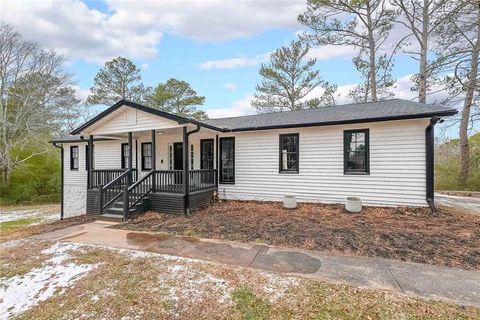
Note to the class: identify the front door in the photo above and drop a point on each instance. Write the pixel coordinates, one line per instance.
(206, 150)
(178, 156)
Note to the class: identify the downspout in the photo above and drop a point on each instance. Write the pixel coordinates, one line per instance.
(430, 162)
(186, 169)
(61, 178)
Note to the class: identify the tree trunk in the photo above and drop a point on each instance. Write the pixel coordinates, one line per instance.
(467, 105)
(372, 74)
(422, 75)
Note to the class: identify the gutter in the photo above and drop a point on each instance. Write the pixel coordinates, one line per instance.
(61, 178)
(430, 161)
(186, 168)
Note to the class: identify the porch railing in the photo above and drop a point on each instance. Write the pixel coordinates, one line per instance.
(112, 191)
(168, 181)
(103, 177)
(202, 179)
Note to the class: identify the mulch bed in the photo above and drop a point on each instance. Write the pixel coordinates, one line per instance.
(410, 234)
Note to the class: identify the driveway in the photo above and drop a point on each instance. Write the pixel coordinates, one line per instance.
(468, 204)
(456, 285)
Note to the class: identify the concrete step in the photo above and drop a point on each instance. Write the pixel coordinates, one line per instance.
(110, 217)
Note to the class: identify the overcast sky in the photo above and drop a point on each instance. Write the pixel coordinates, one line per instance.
(217, 46)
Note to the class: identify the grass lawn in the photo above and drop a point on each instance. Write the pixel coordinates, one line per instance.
(18, 222)
(47, 280)
(410, 234)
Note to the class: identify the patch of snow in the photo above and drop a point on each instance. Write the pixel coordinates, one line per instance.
(277, 286)
(187, 283)
(28, 214)
(20, 293)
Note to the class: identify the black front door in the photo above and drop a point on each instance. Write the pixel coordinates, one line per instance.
(178, 156)
(206, 150)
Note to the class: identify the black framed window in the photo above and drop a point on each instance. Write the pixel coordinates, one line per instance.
(356, 151)
(73, 157)
(87, 157)
(206, 154)
(227, 160)
(125, 155)
(146, 156)
(289, 153)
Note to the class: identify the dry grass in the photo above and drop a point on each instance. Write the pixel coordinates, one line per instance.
(29, 230)
(127, 285)
(410, 234)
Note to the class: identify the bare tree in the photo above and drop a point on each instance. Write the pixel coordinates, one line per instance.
(32, 82)
(422, 18)
(363, 25)
(458, 47)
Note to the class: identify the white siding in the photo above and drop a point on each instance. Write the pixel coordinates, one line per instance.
(127, 119)
(397, 165)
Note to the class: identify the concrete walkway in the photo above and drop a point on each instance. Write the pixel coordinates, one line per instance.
(468, 204)
(449, 284)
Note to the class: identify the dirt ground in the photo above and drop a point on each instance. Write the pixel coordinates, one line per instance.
(410, 234)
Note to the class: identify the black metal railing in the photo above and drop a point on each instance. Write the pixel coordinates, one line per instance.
(105, 176)
(202, 179)
(110, 192)
(136, 192)
(168, 181)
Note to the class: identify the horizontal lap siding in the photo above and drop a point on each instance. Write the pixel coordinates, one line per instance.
(397, 165)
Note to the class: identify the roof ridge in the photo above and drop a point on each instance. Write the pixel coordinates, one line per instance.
(292, 111)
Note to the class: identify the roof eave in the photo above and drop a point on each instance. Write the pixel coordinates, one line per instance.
(445, 113)
(179, 119)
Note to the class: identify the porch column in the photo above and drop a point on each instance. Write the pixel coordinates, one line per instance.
(90, 163)
(185, 179)
(154, 158)
(130, 160)
(216, 161)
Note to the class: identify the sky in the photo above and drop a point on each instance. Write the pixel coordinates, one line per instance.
(217, 46)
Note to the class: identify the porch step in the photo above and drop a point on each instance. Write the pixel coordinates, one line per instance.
(110, 217)
(118, 211)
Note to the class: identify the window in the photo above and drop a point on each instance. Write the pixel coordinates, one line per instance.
(146, 156)
(206, 154)
(125, 153)
(87, 157)
(170, 157)
(191, 157)
(289, 148)
(73, 157)
(356, 152)
(227, 160)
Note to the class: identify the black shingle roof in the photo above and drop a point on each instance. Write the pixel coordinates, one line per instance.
(394, 109)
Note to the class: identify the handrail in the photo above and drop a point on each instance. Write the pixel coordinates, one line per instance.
(137, 192)
(202, 179)
(104, 176)
(112, 190)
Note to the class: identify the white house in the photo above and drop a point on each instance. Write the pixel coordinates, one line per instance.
(148, 159)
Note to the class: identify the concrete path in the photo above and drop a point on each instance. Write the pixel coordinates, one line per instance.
(449, 284)
(469, 204)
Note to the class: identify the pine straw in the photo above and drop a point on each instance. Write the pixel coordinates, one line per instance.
(411, 234)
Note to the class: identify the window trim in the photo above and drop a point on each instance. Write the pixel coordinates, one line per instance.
(72, 168)
(367, 152)
(280, 170)
(123, 155)
(201, 153)
(143, 157)
(221, 181)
